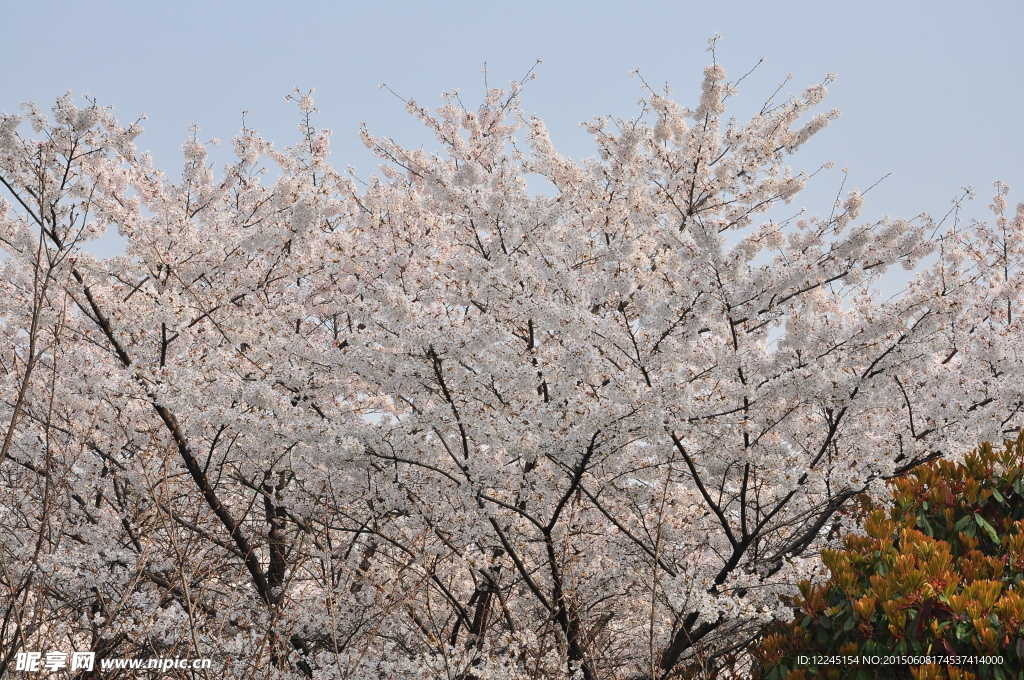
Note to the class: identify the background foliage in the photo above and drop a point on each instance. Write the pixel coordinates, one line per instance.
(938, 571)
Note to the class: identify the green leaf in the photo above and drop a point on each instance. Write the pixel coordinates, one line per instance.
(998, 673)
(850, 622)
(998, 496)
(987, 527)
(962, 523)
(1018, 486)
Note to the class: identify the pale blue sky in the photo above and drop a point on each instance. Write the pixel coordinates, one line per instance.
(930, 91)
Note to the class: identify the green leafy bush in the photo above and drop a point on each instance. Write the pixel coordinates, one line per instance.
(939, 574)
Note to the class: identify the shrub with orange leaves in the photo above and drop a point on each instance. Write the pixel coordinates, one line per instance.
(938, 574)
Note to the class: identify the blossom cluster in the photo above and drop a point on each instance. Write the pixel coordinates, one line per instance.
(444, 426)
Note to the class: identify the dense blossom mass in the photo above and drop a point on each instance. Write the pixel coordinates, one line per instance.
(443, 426)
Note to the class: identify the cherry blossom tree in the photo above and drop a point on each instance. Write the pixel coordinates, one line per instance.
(441, 426)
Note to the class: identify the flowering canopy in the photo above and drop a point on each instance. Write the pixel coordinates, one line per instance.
(443, 426)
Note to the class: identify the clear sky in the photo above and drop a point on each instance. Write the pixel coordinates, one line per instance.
(930, 90)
